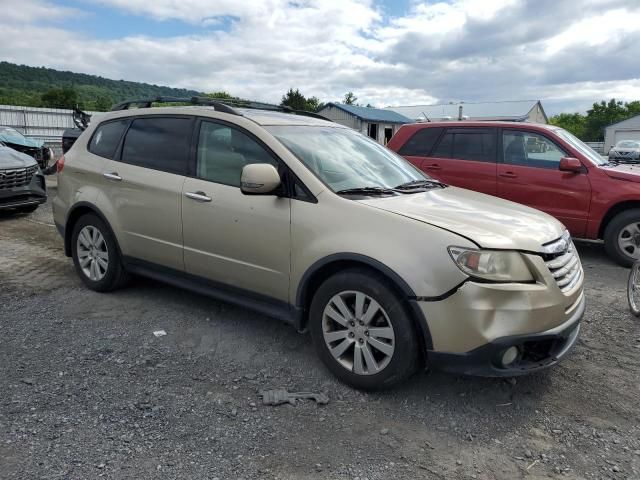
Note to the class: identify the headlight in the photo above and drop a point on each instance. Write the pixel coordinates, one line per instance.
(492, 265)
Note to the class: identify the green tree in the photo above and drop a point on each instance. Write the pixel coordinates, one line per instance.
(575, 123)
(350, 98)
(294, 100)
(601, 115)
(65, 97)
(102, 104)
(314, 104)
(222, 95)
(297, 101)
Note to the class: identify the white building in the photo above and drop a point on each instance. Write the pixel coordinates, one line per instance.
(628, 129)
(509, 111)
(377, 123)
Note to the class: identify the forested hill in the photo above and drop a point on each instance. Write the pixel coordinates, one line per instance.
(46, 87)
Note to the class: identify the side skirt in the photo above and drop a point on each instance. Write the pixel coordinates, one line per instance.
(263, 304)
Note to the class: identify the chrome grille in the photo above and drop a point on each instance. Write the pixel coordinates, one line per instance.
(16, 177)
(564, 265)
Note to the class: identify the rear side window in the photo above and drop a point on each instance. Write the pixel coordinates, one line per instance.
(421, 143)
(106, 138)
(158, 143)
(468, 144)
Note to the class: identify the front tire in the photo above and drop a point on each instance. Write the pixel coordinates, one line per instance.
(622, 237)
(95, 255)
(28, 209)
(362, 331)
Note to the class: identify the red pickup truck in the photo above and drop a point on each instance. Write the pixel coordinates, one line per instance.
(542, 166)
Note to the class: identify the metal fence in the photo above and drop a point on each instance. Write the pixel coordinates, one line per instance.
(597, 146)
(46, 124)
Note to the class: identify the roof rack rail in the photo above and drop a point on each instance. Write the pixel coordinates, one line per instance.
(221, 105)
(148, 102)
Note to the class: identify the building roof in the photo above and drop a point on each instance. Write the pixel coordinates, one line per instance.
(370, 114)
(509, 110)
(632, 117)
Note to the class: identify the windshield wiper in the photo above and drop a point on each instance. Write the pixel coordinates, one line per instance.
(420, 184)
(367, 191)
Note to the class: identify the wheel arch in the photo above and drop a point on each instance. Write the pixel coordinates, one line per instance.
(325, 267)
(613, 212)
(76, 212)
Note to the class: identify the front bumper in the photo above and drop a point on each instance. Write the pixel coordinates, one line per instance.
(537, 351)
(34, 193)
(471, 328)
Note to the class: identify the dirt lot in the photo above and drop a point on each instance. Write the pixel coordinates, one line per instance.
(88, 391)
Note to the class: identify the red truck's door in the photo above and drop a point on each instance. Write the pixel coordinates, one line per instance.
(529, 174)
(466, 158)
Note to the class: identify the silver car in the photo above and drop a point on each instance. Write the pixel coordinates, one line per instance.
(625, 150)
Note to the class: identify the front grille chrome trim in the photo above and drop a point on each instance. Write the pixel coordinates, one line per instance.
(563, 263)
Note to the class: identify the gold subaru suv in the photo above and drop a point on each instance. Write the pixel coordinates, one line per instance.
(311, 222)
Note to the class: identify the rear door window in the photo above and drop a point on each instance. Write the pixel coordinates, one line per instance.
(475, 144)
(159, 143)
(421, 143)
(106, 138)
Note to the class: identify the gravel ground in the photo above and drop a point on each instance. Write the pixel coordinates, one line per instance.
(88, 391)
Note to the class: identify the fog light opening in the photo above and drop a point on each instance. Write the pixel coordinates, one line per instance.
(509, 356)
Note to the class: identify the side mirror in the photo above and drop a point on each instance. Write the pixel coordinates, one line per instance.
(569, 164)
(259, 179)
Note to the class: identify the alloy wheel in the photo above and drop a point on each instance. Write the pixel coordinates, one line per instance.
(358, 332)
(93, 255)
(629, 240)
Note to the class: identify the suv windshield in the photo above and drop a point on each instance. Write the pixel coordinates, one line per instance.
(582, 147)
(345, 159)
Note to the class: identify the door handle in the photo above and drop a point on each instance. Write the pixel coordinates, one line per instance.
(508, 175)
(198, 196)
(112, 176)
(434, 166)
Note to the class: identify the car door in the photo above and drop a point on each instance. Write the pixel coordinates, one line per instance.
(529, 174)
(465, 157)
(229, 237)
(144, 189)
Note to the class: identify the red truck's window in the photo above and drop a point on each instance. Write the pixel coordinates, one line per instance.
(421, 143)
(530, 150)
(467, 144)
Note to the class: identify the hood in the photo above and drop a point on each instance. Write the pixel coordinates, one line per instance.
(10, 158)
(630, 173)
(488, 221)
(9, 135)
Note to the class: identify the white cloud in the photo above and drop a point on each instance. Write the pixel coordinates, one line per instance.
(459, 50)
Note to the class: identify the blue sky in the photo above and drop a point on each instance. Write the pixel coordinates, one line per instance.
(388, 52)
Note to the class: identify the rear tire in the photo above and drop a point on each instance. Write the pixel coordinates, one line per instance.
(384, 358)
(96, 255)
(622, 237)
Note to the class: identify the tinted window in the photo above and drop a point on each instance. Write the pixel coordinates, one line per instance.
(106, 138)
(223, 152)
(444, 148)
(475, 145)
(158, 143)
(421, 143)
(467, 144)
(530, 150)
